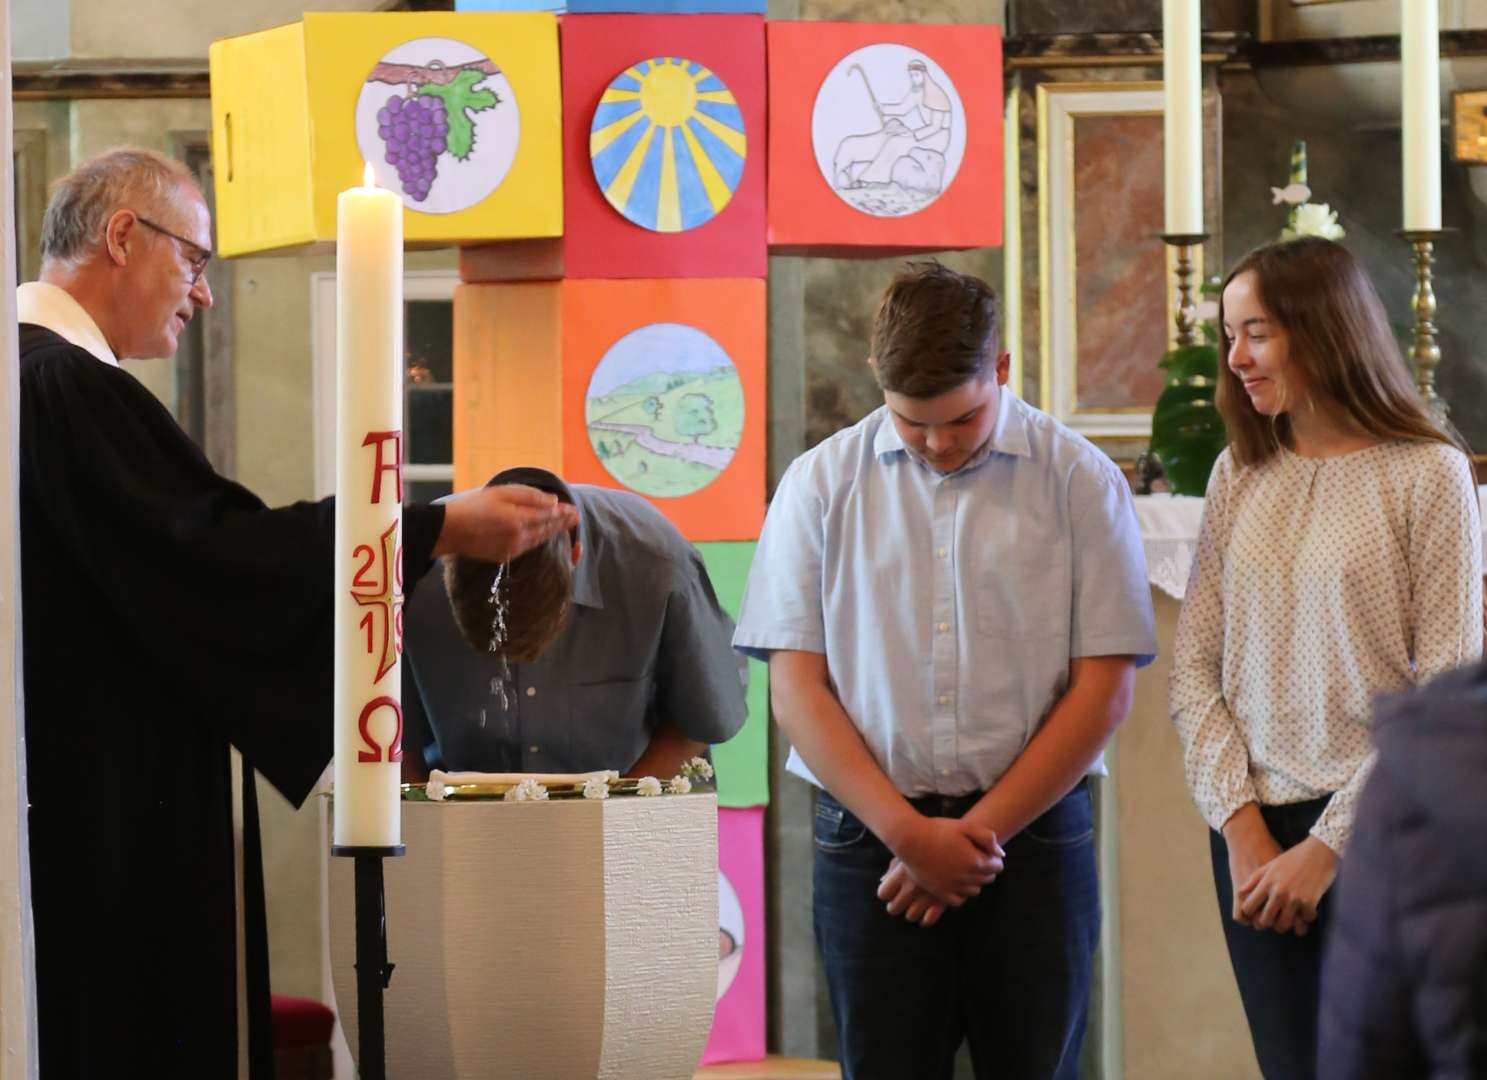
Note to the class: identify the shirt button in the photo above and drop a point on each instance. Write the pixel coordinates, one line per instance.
(940, 553)
(531, 691)
(944, 699)
(534, 749)
(944, 772)
(944, 628)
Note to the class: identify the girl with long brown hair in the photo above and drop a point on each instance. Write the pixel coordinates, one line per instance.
(1339, 557)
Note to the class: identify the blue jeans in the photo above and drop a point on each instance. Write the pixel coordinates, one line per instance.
(1009, 972)
(1279, 975)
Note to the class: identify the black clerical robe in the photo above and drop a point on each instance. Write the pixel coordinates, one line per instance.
(167, 613)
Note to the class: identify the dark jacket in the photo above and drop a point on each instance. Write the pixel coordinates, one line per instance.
(1404, 984)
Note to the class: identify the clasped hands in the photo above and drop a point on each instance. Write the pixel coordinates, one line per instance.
(943, 862)
(1274, 889)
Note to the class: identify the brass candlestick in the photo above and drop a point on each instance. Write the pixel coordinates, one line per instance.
(1148, 468)
(1425, 353)
(1186, 308)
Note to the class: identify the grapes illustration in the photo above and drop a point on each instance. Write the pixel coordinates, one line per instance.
(423, 110)
(416, 132)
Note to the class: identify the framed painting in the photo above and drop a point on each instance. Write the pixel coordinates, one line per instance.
(1107, 288)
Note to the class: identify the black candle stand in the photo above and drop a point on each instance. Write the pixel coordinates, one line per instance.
(373, 972)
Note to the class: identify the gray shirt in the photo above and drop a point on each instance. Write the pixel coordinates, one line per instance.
(645, 644)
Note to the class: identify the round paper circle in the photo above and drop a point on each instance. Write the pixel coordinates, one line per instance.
(667, 144)
(888, 130)
(665, 410)
(438, 121)
(730, 934)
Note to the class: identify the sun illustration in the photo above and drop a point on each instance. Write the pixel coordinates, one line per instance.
(667, 144)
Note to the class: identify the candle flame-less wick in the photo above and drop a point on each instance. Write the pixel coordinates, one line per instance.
(369, 178)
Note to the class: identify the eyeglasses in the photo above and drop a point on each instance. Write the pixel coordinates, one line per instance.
(196, 255)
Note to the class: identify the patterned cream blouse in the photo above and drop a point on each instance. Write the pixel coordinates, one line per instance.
(1318, 583)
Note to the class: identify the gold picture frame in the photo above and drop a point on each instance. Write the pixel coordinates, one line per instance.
(1060, 108)
(1469, 127)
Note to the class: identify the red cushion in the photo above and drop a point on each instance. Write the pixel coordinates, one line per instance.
(300, 1021)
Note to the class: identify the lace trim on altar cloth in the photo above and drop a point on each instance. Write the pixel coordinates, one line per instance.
(1168, 563)
(1169, 534)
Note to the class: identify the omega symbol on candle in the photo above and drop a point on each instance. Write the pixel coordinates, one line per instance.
(378, 587)
(395, 748)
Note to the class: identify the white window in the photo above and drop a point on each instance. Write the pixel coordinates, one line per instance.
(428, 383)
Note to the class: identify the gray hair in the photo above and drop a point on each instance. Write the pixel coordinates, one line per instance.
(84, 199)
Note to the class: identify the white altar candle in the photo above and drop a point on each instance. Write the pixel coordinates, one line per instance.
(369, 516)
(1420, 102)
(1182, 116)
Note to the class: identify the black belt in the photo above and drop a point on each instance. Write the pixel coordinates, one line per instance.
(954, 806)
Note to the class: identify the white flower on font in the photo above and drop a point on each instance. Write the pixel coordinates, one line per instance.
(528, 790)
(698, 768)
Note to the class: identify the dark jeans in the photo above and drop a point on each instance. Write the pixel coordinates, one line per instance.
(1279, 975)
(1009, 971)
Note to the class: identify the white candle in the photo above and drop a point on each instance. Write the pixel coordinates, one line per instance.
(369, 516)
(1182, 116)
(1420, 102)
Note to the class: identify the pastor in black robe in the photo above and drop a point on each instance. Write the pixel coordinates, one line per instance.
(167, 613)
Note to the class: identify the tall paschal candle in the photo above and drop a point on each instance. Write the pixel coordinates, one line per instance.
(369, 517)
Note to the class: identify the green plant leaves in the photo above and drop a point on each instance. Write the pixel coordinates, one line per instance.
(1187, 363)
(1187, 434)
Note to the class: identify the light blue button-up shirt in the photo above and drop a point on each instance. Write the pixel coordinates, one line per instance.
(949, 606)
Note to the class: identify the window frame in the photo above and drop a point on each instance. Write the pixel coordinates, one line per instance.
(417, 285)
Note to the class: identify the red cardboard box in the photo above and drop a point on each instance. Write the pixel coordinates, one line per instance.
(884, 138)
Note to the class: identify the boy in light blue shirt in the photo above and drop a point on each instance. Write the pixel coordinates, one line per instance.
(952, 598)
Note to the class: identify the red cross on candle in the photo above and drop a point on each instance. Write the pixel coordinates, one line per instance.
(378, 585)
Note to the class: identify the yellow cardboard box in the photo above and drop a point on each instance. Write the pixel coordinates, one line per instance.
(459, 112)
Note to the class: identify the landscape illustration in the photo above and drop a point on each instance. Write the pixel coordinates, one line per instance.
(665, 410)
